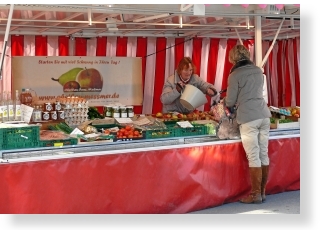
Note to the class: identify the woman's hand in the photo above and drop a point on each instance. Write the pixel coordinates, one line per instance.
(211, 92)
(179, 86)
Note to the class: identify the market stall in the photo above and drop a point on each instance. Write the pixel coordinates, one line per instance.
(83, 131)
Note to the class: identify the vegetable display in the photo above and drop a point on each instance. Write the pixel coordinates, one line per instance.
(94, 113)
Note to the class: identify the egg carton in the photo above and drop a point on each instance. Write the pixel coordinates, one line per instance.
(280, 111)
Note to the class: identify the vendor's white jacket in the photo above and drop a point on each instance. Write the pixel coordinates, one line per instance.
(170, 96)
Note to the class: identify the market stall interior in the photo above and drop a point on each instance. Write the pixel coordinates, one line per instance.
(80, 91)
(152, 20)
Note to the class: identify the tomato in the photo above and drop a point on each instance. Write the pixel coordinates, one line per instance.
(136, 133)
(128, 127)
(122, 130)
(130, 136)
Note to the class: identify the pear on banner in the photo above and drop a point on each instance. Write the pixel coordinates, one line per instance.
(68, 76)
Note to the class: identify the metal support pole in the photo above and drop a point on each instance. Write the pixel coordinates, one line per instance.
(6, 39)
(238, 36)
(258, 40)
(271, 47)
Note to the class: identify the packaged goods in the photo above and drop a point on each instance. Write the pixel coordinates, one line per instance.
(26, 97)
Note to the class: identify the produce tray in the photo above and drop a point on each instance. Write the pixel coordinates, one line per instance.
(58, 143)
(19, 137)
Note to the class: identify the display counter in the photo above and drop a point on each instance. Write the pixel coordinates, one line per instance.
(177, 175)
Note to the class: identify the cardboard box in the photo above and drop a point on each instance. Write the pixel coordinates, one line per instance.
(289, 125)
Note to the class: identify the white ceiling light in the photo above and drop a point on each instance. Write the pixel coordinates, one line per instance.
(180, 21)
(151, 17)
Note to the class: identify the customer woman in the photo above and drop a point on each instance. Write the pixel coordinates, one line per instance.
(245, 90)
(172, 88)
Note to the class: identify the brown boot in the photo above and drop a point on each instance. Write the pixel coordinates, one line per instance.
(255, 195)
(265, 173)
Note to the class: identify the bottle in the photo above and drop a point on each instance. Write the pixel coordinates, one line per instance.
(36, 114)
(26, 97)
(10, 107)
(17, 107)
(4, 108)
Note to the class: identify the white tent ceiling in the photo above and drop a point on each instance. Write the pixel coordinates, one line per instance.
(151, 20)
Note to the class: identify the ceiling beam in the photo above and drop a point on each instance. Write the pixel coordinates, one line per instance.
(33, 17)
(58, 23)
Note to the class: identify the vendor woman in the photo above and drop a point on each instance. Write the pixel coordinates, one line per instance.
(174, 84)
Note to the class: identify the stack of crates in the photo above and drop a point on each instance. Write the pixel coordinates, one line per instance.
(20, 137)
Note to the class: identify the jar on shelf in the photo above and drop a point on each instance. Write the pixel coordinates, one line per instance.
(53, 115)
(123, 111)
(48, 107)
(60, 115)
(45, 116)
(115, 112)
(107, 111)
(57, 106)
(130, 111)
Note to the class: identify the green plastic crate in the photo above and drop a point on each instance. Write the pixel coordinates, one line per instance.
(191, 131)
(159, 133)
(20, 137)
(58, 143)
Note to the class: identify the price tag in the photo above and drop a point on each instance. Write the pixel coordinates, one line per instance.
(184, 124)
(76, 131)
(26, 113)
(142, 121)
(124, 120)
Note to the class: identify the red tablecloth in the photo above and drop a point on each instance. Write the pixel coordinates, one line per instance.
(177, 180)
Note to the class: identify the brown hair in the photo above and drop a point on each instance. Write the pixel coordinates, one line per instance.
(184, 63)
(238, 53)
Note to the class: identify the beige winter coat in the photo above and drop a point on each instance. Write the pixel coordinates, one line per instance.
(170, 96)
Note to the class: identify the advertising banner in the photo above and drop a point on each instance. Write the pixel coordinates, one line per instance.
(100, 80)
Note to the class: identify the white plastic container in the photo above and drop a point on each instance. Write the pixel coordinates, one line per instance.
(192, 97)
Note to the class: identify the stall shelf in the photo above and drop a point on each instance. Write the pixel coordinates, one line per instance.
(173, 177)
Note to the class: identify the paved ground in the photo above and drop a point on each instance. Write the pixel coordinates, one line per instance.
(281, 203)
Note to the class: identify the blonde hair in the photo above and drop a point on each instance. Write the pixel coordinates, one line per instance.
(238, 53)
